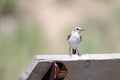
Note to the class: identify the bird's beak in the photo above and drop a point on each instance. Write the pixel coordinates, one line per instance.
(82, 30)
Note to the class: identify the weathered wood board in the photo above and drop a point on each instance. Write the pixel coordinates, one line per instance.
(85, 67)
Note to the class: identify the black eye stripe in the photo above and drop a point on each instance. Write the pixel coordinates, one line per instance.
(77, 29)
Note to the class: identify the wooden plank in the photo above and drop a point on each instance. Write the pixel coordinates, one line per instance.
(86, 67)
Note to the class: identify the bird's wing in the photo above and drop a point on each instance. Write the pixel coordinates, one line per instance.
(68, 37)
(81, 38)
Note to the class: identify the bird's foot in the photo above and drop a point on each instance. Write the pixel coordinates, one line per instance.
(79, 54)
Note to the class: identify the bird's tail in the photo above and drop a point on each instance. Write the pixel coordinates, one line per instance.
(74, 51)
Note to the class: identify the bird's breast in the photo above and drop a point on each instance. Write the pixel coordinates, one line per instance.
(74, 41)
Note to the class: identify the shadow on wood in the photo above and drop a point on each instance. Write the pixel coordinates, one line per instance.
(57, 71)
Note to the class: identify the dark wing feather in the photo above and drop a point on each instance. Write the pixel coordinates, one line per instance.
(68, 37)
(81, 38)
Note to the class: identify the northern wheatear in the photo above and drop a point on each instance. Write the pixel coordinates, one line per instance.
(74, 40)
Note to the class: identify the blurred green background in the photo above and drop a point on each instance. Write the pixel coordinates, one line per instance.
(29, 28)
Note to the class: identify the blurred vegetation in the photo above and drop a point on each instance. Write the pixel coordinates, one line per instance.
(17, 50)
(102, 35)
(7, 7)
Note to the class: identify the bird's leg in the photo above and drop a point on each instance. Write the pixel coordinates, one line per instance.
(70, 51)
(78, 52)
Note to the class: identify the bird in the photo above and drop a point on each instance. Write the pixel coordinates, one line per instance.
(74, 40)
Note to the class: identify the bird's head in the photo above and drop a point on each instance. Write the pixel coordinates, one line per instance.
(79, 29)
